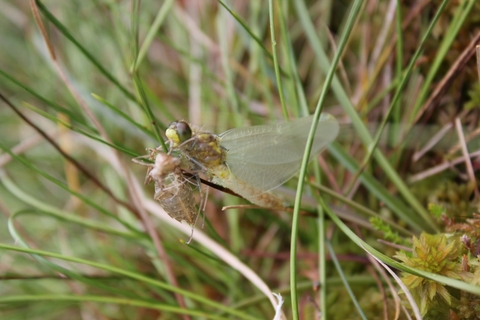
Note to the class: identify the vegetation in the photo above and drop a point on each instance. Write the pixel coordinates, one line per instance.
(388, 225)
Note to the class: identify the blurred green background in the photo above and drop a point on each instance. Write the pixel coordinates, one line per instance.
(103, 79)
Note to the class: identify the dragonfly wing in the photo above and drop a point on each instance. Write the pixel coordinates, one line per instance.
(268, 156)
(264, 177)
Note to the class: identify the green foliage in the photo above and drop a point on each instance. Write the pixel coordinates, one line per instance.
(455, 199)
(387, 231)
(80, 236)
(443, 255)
(436, 210)
(474, 95)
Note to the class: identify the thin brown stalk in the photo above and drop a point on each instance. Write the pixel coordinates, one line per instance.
(477, 51)
(195, 74)
(468, 162)
(394, 245)
(380, 287)
(23, 146)
(439, 168)
(432, 142)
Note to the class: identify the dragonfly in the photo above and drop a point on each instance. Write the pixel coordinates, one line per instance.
(173, 190)
(251, 161)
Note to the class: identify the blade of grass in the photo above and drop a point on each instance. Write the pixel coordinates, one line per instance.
(275, 59)
(146, 107)
(151, 33)
(78, 128)
(55, 106)
(344, 280)
(296, 211)
(298, 93)
(124, 115)
(398, 66)
(246, 28)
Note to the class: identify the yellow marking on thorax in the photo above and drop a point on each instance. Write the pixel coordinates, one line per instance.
(205, 148)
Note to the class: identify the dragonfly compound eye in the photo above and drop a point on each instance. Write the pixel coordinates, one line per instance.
(178, 132)
(184, 131)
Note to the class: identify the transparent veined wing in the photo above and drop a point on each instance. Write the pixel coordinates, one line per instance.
(269, 155)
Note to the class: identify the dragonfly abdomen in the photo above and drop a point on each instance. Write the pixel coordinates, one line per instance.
(225, 178)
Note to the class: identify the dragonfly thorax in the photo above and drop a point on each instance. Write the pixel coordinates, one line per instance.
(201, 148)
(205, 148)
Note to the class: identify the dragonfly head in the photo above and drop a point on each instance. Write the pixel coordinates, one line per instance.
(178, 132)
